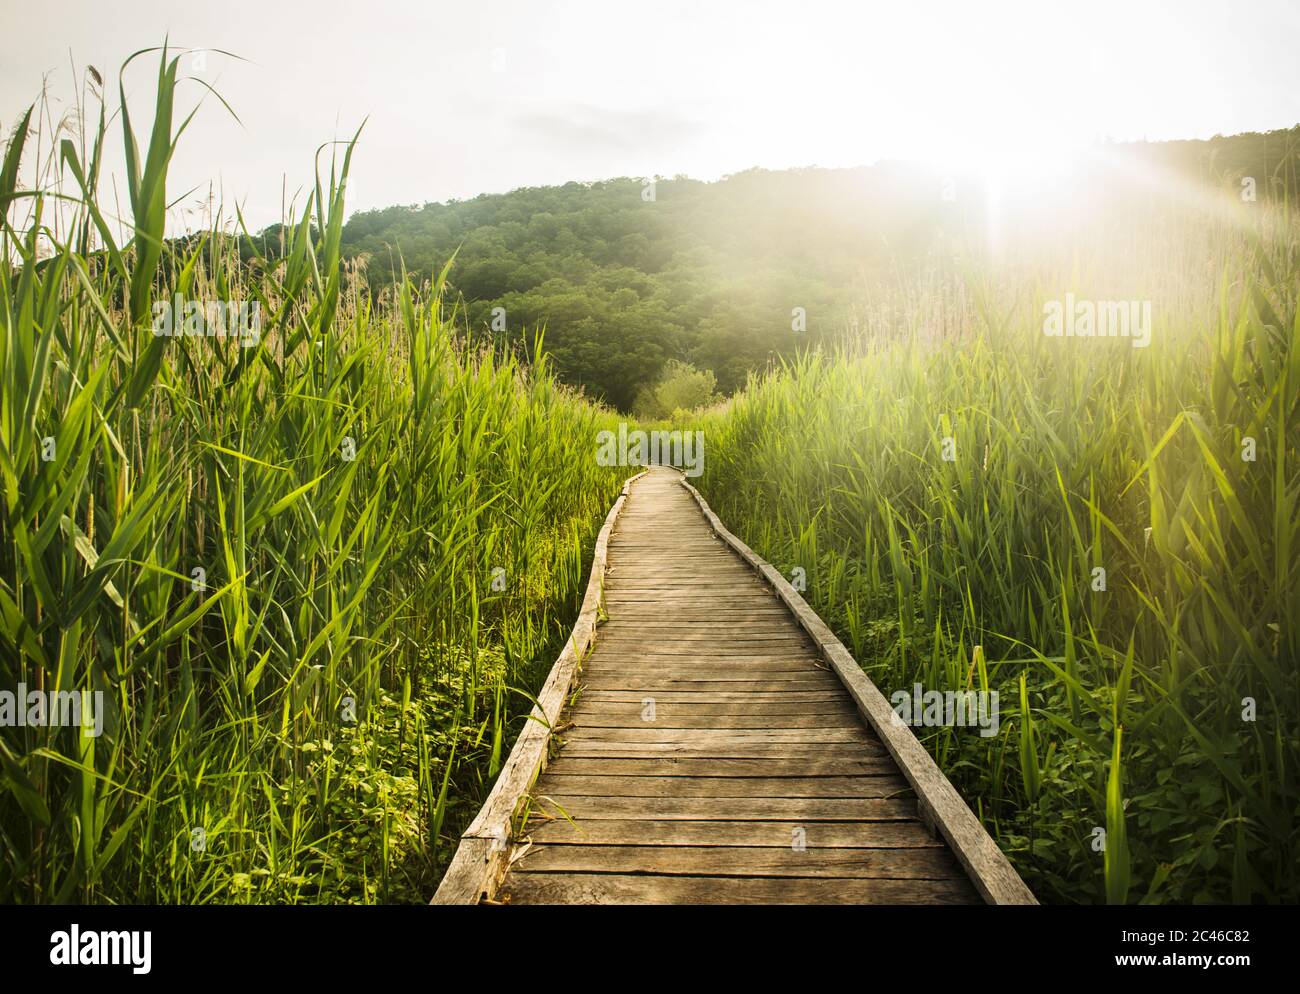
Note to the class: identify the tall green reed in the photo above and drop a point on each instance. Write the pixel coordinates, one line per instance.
(1174, 468)
(276, 561)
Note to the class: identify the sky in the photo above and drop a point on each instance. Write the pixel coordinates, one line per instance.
(484, 96)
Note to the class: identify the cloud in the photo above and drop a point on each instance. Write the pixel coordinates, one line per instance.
(591, 129)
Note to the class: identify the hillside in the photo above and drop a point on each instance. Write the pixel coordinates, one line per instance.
(711, 272)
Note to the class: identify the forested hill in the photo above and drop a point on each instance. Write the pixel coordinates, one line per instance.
(626, 276)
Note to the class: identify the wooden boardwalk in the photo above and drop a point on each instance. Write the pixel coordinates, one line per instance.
(712, 752)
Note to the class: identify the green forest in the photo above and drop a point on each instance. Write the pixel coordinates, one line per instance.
(709, 273)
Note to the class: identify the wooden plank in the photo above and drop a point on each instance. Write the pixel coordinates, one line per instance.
(745, 668)
(717, 749)
(758, 768)
(649, 550)
(631, 656)
(714, 628)
(705, 634)
(593, 696)
(706, 736)
(744, 861)
(664, 606)
(743, 680)
(609, 888)
(671, 677)
(877, 785)
(666, 709)
(903, 834)
(769, 642)
(723, 562)
(989, 869)
(724, 569)
(744, 673)
(730, 570)
(670, 625)
(648, 554)
(756, 667)
(760, 722)
(581, 807)
(699, 572)
(707, 614)
(652, 684)
(633, 659)
(752, 673)
(730, 583)
(719, 594)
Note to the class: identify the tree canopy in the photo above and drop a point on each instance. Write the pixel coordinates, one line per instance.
(729, 276)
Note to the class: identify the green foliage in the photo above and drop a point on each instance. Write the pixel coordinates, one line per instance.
(1067, 455)
(351, 484)
(330, 699)
(710, 273)
(681, 390)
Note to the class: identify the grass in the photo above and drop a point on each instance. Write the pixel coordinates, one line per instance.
(315, 714)
(316, 579)
(1127, 768)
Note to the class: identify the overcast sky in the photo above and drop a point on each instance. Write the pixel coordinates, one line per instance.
(483, 96)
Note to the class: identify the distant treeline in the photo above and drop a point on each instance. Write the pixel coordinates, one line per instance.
(626, 276)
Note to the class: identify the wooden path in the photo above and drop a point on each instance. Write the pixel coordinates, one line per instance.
(715, 748)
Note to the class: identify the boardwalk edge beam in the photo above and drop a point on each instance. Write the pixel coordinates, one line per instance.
(482, 857)
(940, 804)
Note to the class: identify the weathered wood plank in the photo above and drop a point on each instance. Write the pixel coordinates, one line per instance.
(609, 888)
(668, 709)
(728, 569)
(740, 667)
(752, 722)
(742, 591)
(713, 628)
(758, 768)
(878, 785)
(902, 834)
(652, 685)
(706, 736)
(593, 696)
(662, 604)
(730, 749)
(812, 679)
(618, 661)
(705, 612)
(625, 647)
(744, 861)
(628, 656)
(582, 807)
